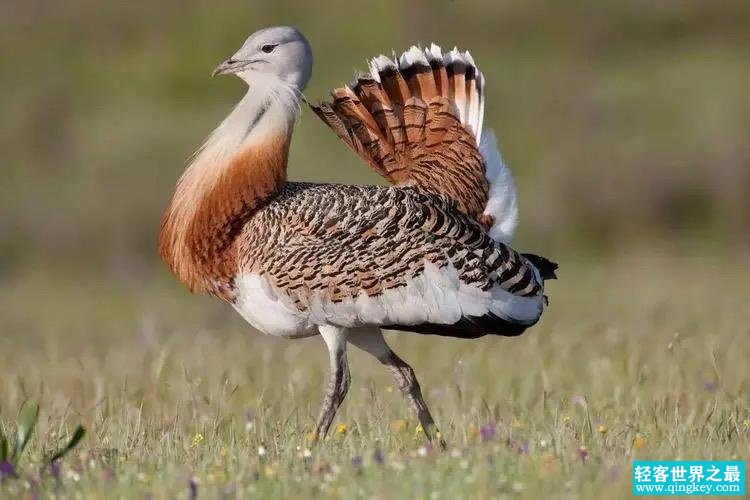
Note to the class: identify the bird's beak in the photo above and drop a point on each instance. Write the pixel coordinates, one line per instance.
(228, 66)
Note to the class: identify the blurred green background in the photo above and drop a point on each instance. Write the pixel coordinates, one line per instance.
(626, 122)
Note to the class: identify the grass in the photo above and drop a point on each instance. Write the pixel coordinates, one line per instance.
(637, 357)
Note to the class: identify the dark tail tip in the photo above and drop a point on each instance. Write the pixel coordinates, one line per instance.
(545, 266)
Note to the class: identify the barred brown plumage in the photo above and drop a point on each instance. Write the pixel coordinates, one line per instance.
(429, 254)
(321, 247)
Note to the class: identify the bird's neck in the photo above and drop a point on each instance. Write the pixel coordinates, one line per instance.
(241, 166)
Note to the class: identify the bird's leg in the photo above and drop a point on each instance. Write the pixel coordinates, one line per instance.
(338, 384)
(371, 340)
(409, 385)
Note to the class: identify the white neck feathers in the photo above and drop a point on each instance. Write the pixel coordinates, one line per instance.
(269, 108)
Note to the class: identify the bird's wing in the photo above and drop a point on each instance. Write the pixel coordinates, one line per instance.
(393, 257)
(417, 121)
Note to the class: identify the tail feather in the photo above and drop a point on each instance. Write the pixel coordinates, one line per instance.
(545, 266)
(502, 205)
(417, 119)
(457, 90)
(415, 68)
(439, 73)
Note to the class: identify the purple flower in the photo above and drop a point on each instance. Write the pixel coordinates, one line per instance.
(523, 448)
(487, 432)
(357, 461)
(192, 488)
(7, 470)
(710, 386)
(54, 469)
(378, 457)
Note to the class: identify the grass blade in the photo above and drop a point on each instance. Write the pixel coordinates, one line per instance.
(3, 447)
(26, 423)
(78, 434)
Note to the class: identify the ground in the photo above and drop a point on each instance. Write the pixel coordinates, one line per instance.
(640, 357)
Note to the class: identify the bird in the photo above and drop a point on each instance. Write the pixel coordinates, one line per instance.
(428, 253)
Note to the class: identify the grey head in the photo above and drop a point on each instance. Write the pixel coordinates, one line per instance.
(280, 51)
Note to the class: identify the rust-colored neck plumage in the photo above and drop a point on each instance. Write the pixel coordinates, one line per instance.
(241, 166)
(210, 206)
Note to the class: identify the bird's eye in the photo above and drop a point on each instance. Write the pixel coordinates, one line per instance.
(268, 48)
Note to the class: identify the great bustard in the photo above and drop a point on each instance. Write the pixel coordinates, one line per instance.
(428, 254)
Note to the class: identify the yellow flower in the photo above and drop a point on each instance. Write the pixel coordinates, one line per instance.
(399, 425)
(341, 429)
(311, 437)
(746, 423)
(603, 429)
(197, 439)
(566, 419)
(472, 431)
(639, 441)
(419, 429)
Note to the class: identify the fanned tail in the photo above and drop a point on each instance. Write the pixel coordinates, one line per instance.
(417, 120)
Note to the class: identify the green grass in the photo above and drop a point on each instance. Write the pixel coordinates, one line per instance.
(652, 350)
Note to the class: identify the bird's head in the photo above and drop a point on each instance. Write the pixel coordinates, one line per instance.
(280, 52)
